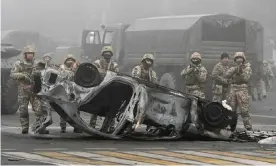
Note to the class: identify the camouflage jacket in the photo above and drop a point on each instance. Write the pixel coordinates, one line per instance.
(102, 64)
(23, 71)
(218, 74)
(240, 74)
(66, 73)
(140, 72)
(267, 72)
(194, 75)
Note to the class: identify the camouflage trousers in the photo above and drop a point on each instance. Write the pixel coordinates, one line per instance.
(269, 85)
(62, 123)
(239, 98)
(259, 88)
(195, 90)
(25, 96)
(221, 94)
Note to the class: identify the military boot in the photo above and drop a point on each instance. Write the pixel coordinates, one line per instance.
(25, 131)
(63, 129)
(247, 124)
(249, 128)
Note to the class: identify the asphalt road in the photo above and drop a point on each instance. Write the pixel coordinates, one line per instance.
(20, 149)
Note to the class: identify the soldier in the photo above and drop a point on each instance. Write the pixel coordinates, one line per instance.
(22, 72)
(273, 66)
(47, 60)
(68, 69)
(221, 84)
(104, 63)
(144, 70)
(256, 83)
(195, 76)
(268, 75)
(238, 95)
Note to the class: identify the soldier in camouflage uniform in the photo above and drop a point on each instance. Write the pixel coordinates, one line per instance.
(104, 63)
(195, 76)
(47, 58)
(221, 84)
(273, 66)
(22, 72)
(144, 70)
(68, 69)
(256, 83)
(238, 95)
(268, 75)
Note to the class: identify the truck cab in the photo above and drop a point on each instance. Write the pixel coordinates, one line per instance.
(110, 35)
(91, 45)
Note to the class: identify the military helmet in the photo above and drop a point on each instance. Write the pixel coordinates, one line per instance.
(265, 62)
(28, 49)
(49, 55)
(148, 56)
(107, 49)
(239, 54)
(70, 56)
(196, 55)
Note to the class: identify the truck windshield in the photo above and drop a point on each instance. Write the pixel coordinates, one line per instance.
(92, 38)
(108, 37)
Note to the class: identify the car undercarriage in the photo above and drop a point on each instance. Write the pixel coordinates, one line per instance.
(131, 104)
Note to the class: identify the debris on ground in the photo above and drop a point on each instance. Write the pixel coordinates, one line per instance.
(252, 136)
(269, 141)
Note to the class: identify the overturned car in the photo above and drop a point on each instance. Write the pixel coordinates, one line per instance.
(132, 103)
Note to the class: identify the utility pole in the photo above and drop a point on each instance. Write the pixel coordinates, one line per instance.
(107, 7)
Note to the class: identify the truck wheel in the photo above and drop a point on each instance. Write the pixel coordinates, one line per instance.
(168, 80)
(9, 98)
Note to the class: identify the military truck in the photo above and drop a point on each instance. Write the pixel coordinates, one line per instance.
(93, 41)
(173, 39)
(9, 55)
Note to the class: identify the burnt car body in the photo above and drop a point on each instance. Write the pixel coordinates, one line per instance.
(132, 103)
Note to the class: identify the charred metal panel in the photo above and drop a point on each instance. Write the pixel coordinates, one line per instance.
(132, 103)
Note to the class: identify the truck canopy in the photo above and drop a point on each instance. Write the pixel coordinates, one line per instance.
(171, 38)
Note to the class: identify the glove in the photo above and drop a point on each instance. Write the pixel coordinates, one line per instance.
(192, 66)
(239, 69)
